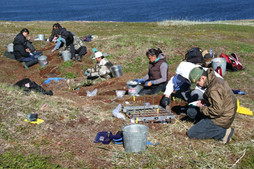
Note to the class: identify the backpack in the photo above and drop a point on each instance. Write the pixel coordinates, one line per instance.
(194, 55)
(233, 62)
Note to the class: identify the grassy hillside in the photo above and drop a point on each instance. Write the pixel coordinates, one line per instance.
(65, 139)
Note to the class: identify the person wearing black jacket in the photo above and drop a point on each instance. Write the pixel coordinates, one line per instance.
(67, 38)
(55, 31)
(24, 50)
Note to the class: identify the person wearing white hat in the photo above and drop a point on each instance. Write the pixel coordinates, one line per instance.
(99, 73)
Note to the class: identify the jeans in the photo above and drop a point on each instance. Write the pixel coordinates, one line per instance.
(153, 89)
(205, 128)
(34, 57)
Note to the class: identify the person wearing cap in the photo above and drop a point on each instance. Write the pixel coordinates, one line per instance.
(99, 73)
(23, 49)
(215, 114)
(180, 85)
(157, 76)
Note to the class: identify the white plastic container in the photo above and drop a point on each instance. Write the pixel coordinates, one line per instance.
(10, 47)
(120, 93)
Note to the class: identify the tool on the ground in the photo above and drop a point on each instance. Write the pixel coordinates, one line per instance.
(154, 113)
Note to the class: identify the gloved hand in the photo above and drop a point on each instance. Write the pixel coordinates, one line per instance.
(139, 80)
(164, 101)
(86, 72)
(94, 50)
(149, 83)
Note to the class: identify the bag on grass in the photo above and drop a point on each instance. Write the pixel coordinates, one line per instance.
(233, 62)
(194, 55)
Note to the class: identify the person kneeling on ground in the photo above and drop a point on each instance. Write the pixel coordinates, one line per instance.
(155, 81)
(79, 47)
(99, 73)
(180, 86)
(217, 111)
(24, 50)
(54, 33)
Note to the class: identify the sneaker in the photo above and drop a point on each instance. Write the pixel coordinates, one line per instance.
(226, 139)
(25, 66)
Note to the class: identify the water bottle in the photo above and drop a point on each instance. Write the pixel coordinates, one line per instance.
(211, 52)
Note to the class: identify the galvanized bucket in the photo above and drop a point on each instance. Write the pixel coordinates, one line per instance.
(135, 137)
(133, 88)
(220, 62)
(66, 55)
(42, 60)
(116, 71)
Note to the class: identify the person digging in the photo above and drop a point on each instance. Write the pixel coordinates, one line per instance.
(99, 73)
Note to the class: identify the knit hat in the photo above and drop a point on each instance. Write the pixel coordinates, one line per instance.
(195, 74)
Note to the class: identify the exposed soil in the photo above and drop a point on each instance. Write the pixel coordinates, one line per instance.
(13, 71)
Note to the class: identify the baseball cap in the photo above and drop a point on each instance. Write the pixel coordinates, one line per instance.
(103, 137)
(97, 55)
(195, 74)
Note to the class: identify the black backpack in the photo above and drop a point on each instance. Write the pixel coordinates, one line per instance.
(194, 55)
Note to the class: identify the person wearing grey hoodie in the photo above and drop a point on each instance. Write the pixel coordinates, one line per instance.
(156, 79)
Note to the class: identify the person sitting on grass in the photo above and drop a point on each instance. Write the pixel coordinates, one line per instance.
(215, 114)
(99, 73)
(23, 49)
(156, 79)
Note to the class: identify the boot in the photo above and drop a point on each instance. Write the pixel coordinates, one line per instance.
(25, 66)
(79, 58)
(73, 58)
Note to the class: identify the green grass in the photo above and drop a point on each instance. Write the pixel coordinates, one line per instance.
(126, 44)
(17, 160)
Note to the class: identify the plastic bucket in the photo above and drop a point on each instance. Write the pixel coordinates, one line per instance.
(10, 47)
(220, 62)
(116, 71)
(66, 55)
(41, 37)
(42, 60)
(133, 88)
(135, 137)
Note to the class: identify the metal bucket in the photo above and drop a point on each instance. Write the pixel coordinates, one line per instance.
(133, 88)
(116, 71)
(135, 137)
(42, 60)
(41, 37)
(220, 62)
(66, 55)
(10, 47)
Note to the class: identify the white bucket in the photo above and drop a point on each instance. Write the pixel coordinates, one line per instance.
(220, 62)
(66, 55)
(10, 47)
(42, 60)
(41, 37)
(116, 71)
(120, 93)
(133, 88)
(135, 137)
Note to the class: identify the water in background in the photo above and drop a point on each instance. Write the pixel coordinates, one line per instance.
(125, 10)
